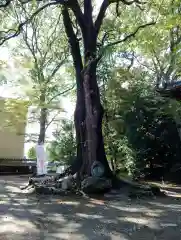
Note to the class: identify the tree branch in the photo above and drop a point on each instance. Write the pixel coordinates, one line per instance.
(88, 12)
(101, 15)
(73, 41)
(144, 64)
(78, 14)
(50, 40)
(131, 59)
(130, 2)
(14, 33)
(35, 37)
(61, 93)
(159, 68)
(104, 7)
(57, 67)
(175, 39)
(168, 70)
(50, 122)
(133, 34)
(29, 42)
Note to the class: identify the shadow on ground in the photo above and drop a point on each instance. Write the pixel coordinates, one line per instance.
(25, 216)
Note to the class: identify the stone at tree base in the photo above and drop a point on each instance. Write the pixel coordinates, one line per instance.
(97, 169)
(63, 186)
(67, 183)
(96, 185)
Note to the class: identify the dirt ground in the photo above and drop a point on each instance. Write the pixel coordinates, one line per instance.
(27, 217)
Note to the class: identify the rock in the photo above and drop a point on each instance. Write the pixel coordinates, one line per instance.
(67, 182)
(96, 185)
(97, 169)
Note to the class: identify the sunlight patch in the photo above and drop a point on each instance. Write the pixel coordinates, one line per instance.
(141, 221)
(68, 202)
(96, 201)
(83, 215)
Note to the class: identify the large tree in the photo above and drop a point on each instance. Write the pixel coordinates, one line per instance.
(43, 58)
(83, 29)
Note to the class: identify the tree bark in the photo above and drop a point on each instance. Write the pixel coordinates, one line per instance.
(94, 116)
(93, 108)
(79, 114)
(43, 120)
(89, 111)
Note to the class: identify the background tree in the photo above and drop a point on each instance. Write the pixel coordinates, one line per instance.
(63, 148)
(141, 129)
(32, 153)
(43, 58)
(137, 134)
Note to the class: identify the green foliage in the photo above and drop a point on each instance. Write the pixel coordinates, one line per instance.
(38, 54)
(31, 153)
(152, 134)
(139, 122)
(142, 131)
(42, 56)
(63, 148)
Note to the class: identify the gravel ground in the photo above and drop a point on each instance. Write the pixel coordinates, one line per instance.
(25, 216)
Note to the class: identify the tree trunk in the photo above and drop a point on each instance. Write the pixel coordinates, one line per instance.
(93, 115)
(43, 120)
(89, 111)
(90, 120)
(79, 114)
(79, 120)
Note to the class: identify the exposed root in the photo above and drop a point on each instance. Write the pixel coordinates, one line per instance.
(53, 184)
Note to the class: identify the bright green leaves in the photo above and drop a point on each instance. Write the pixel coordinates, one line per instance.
(32, 153)
(137, 120)
(63, 148)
